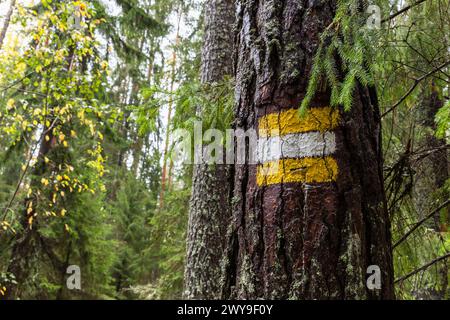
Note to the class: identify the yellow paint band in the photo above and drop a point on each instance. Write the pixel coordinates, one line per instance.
(288, 122)
(306, 170)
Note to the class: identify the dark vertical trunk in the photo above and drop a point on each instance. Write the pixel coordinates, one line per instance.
(438, 158)
(435, 172)
(310, 229)
(211, 197)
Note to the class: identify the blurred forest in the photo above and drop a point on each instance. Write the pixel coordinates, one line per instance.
(90, 92)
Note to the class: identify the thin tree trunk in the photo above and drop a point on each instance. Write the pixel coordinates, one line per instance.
(212, 185)
(28, 239)
(310, 229)
(27, 242)
(139, 140)
(164, 175)
(7, 22)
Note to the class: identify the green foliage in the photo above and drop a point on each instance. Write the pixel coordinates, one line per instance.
(212, 104)
(168, 248)
(410, 47)
(132, 210)
(391, 59)
(443, 121)
(51, 119)
(343, 57)
(96, 96)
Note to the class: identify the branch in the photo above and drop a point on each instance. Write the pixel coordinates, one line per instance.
(22, 177)
(416, 83)
(418, 224)
(422, 268)
(402, 11)
(7, 22)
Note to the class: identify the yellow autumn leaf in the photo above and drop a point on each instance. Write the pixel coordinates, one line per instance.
(10, 104)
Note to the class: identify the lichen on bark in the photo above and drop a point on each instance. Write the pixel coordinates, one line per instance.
(211, 196)
(303, 240)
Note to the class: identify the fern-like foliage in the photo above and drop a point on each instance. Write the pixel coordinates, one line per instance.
(344, 55)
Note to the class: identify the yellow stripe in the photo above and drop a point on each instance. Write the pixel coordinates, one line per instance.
(306, 170)
(287, 122)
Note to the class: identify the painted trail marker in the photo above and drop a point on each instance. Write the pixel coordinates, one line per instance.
(294, 149)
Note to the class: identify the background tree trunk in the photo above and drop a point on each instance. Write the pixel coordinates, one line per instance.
(7, 22)
(438, 160)
(304, 239)
(212, 185)
(28, 240)
(432, 172)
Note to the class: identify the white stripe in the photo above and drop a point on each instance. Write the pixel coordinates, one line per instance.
(298, 145)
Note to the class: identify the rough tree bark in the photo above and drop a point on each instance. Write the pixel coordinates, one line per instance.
(310, 230)
(212, 185)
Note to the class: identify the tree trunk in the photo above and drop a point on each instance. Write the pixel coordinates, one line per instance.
(7, 22)
(434, 172)
(212, 184)
(28, 239)
(438, 160)
(164, 175)
(310, 228)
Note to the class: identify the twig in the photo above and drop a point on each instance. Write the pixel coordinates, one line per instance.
(418, 224)
(402, 11)
(416, 83)
(422, 268)
(16, 191)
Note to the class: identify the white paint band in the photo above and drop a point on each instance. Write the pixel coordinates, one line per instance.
(299, 145)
